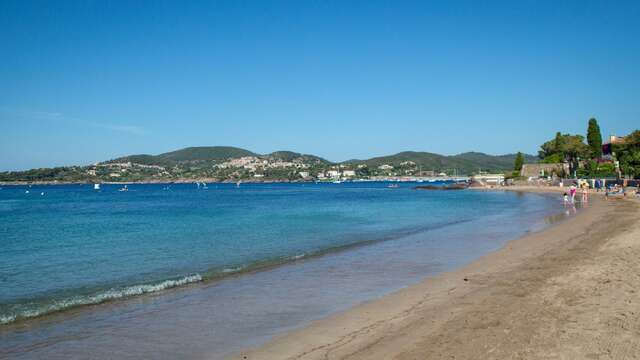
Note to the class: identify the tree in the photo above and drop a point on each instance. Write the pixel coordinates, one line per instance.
(594, 138)
(564, 148)
(628, 154)
(519, 161)
(557, 143)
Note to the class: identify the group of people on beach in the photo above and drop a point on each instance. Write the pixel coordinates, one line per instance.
(621, 190)
(599, 185)
(570, 198)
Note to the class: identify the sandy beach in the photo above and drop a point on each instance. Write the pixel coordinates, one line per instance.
(567, 292)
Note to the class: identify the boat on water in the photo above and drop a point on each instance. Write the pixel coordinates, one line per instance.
(124, 188)
(454, 186)
(96, 186)
(393, 186)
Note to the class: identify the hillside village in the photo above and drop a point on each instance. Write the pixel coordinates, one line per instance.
(251, 168)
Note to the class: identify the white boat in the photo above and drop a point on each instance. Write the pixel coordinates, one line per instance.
(96, 186)
(337, 181)
(204, 185)
(124, 188)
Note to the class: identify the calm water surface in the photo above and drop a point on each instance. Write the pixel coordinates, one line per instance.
(158, 258)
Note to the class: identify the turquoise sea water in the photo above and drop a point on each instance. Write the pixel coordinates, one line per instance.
(66, 246)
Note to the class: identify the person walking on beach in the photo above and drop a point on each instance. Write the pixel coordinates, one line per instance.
(565, 198)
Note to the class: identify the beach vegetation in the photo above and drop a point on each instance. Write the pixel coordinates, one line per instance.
(628, 155)
(594, 169)
(594, 138)
(565, 148)
(519, 161)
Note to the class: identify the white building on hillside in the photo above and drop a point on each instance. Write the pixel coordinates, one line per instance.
(333, 173)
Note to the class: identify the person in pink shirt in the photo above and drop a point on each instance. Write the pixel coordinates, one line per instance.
(572, 193)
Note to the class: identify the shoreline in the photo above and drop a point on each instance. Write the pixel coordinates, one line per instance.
(217, 181)
(490, 308)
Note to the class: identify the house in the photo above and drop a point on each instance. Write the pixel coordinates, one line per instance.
(349, 173)
(489, 179)
(304, 174)
(607, 147)
(333, 173)
(321, 176)
(385, 167)
(407, 163)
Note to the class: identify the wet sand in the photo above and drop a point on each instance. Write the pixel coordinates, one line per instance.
(567, 292)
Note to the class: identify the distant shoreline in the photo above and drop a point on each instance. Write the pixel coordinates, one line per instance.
(181, 181)
(215, 181)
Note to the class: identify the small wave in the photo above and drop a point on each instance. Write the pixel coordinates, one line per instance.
(298, 257)
(25, 311)
(233, 270)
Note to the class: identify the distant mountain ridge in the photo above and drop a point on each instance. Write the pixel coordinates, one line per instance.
(228, 163)
(209, 153)
(464, 163)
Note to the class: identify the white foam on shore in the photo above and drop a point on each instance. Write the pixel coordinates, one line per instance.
(32, 310)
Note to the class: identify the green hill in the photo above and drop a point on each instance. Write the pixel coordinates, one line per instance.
(206, 153)
(212, 153)
(465, 163)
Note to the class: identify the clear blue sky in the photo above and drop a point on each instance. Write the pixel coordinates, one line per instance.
(87, 81)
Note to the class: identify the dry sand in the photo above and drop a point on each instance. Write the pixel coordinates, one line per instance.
(568, 292)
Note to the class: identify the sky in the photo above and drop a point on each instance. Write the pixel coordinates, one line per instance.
(87, 81)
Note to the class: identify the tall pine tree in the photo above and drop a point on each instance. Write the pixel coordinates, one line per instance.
(519, 162)
(594, 138)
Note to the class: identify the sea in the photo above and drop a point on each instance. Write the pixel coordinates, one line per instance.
(194, 271)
